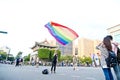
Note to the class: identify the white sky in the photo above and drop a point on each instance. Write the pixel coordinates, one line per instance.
(24, 20)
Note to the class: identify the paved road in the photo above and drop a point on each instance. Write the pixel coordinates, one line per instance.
(10, 72)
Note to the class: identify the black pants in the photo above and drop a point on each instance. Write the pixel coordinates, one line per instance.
(53, 66)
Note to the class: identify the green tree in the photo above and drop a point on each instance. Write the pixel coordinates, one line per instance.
(85, 59)
(3, 55)
(88, 59)
(52, 54)
(19, 54)
(11, 58)
(66, 58)
(43, 53)
(27, 58)
(47, 54)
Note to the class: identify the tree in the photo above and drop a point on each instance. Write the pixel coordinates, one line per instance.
(19, 55)
(85, 59)
(3, 55)
(43, 53)
(47, 54)
(66, 58)
(27, 58)
(11, 58)
(52, 54)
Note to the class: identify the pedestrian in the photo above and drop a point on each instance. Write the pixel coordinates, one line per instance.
(62, 63)
(74, 62)
(54, 62)
(20, 61)
(96, 59)
(37, 62)
(99, 58)
(93, 60)
(114, 46)
(17, 62)
(104, 54)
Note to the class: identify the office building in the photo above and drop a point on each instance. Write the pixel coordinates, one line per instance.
(86, 47)
(66, 49)
(115, 32)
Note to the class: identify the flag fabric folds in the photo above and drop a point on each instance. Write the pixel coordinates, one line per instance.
(61, 33)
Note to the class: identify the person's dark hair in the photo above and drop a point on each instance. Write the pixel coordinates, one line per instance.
(107, 43)
(109, 36)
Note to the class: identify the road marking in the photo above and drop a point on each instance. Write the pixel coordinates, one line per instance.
(90, 78)
(75, 76)
(61, 74)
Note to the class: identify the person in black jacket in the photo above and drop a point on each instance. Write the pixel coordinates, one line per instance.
(54, 62)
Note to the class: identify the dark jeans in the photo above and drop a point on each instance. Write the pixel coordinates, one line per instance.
(53, 66)
(117, 71)
(108, 74)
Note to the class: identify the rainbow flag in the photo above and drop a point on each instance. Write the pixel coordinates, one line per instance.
(61, 33)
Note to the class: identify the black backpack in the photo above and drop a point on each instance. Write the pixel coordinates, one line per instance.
(111, 60)
(118, 55)
(45, 71)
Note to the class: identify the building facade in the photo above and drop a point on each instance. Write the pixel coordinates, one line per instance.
(96, 42)
(115, 32)
(66, 49)
(38, 45)
(86, 47)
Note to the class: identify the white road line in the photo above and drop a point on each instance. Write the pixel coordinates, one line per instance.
(61, 74)
(75, 76)
(90, 78)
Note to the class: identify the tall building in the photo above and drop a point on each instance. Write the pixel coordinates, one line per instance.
(115, 32)
(86, 47)
(75, 49)
(96, 42)
(67, 49)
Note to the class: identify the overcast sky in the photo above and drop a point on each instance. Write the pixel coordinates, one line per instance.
(24, 20)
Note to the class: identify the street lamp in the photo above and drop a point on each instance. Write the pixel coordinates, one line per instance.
(4, 32)
(7, 53)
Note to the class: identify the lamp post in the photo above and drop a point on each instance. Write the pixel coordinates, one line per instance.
(4, 32)
(8, 53)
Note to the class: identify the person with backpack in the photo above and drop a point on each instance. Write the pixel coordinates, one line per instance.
(118, 55)
(54, 62)
(104, 54)
(114, 47)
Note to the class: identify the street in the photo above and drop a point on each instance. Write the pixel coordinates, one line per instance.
(10, 72)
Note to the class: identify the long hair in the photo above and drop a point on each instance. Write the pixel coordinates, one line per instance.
(107, 43)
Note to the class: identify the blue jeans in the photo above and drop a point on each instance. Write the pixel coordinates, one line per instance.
(108, 74)
(117, 71)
